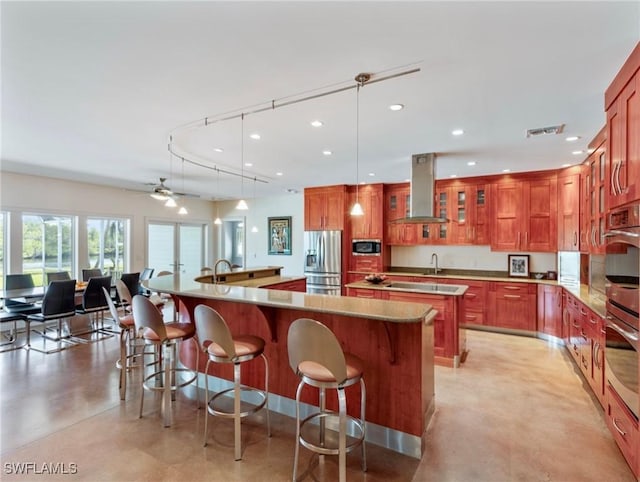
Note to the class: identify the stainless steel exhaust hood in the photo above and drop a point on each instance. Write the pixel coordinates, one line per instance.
(423, 180)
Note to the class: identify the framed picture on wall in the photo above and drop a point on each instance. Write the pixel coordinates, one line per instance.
(279, 230)
(519, 265)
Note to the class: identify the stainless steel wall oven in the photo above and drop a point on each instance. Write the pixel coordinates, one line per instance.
(622, 269)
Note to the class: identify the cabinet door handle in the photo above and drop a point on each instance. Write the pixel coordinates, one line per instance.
(618, 186)
(576, 325)
(575, 238)
(516, 288)
(593, 237)
(470, 295)
(513, 297)
(613, 177)
(470, 317)
(620, 431)
(582, 311)
(593, 321)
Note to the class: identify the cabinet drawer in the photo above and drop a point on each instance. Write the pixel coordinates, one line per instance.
(473, 318)
(515, 288)
(624, 428)
(370, 264)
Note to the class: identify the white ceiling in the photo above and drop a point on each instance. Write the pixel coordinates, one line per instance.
(91, 91)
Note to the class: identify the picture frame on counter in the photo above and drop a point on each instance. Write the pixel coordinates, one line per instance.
(279, 231)
(519, 265)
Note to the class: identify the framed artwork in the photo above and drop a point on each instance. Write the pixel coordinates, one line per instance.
(279, 230)
(519, 265)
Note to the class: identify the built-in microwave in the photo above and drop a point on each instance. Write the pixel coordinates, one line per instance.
(366, 247)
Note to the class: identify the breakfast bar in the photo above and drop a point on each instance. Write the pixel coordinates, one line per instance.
(395, 340)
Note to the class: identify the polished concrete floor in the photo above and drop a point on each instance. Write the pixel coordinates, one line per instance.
(516, 410)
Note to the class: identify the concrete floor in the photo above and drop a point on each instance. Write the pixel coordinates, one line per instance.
(517, 410)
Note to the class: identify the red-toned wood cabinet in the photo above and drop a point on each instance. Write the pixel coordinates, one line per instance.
(622, 104)
(325, 208)
(371, 224)
(550, 310)
(596, 199)
(294, 285)
(624, 427)
(512, 306)
(469, 214)
(525, 214)
(569, 209)
(398, 205)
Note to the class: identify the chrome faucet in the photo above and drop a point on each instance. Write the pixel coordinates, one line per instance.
(215, 268)
(434, 255)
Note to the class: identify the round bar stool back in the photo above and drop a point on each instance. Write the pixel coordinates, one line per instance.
(315, 355)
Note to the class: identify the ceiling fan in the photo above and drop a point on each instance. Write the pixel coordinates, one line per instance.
(162, 192)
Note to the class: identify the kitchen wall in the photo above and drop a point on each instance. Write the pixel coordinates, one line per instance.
(466, 257)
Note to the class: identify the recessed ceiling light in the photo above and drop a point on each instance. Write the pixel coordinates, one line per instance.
(566, 165)
(506, 170)
(248, 164)
(255, 136)
(471, 163)
(396, 107)
(218, 149)
(576, 153)
(572, 138)
(327, 152)
(372, 174)
(457, 132)
(453, 175)
(278, 174)
(317, 123)
(407, 180)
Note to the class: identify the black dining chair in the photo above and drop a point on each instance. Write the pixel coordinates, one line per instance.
(21, 304)
(58, 304)
(57, 276)
(132, 282)
(88, 273)
(94, 305)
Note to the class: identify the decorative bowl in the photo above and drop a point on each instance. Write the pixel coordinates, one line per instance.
(375, 278)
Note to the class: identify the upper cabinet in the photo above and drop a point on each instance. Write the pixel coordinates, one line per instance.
(593, 210)
(397, 205)
(622, 103)
(469, 213)
(525, 213)
(569, 209)
(370, 225)
(325, 208)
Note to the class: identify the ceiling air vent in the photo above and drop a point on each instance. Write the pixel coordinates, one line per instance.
(542, 131)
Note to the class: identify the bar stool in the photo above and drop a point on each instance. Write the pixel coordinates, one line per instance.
(216, 340)
(165, 338)
(316, 357)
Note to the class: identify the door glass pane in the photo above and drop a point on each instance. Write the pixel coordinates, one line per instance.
(425, 231)
(191, 248)
(161, 247)
(47, 245)
(2, 238)
(480, 198)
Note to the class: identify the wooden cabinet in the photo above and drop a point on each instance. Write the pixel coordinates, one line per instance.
(550, 310)
(525, 214)
(595, 199)
(325, 208)
(366, 264)
(512, 306)
(295, 285)
(370, 225)
(397, 206)
(569, 209)
(474, 300)
(624, 427)
(469, 214)
(622, 103)
(366, 293)
(593, 325)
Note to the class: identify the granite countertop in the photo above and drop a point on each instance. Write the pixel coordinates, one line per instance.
(392, 311)
(407, 287)
(451, 274)
(265, 282)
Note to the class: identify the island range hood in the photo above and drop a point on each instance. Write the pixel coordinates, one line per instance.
(423, 180)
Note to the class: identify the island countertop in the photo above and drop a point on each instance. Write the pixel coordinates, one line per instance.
(396, 312)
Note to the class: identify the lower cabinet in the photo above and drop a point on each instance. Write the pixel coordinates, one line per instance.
(512, 306)
(550, 310)
(296, 285)
(624, 427)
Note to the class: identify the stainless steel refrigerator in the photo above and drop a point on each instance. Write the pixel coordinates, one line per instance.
(323, 261)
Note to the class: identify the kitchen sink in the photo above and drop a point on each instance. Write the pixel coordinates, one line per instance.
(434, 288)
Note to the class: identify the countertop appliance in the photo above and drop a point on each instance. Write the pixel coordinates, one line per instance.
(323, 261)
(366, 247)
(622, 271)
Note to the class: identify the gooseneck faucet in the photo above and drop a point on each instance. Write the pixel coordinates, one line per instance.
(215, 268)
(435, 256)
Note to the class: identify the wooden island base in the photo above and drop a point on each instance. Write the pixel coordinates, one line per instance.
(398, 356)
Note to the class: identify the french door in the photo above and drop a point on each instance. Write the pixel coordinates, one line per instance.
(176, 247)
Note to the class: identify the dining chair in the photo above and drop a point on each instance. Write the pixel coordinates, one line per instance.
(19, 305)
(58, 304)
(88, 273)
(132, 283)
(57, 276)
(94, 304)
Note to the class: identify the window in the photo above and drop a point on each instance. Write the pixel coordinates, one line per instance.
(3, 236)
(47, 245)
(106, 245)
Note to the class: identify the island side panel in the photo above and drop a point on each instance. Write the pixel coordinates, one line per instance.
(396, 396)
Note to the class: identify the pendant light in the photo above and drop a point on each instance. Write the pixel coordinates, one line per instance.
(218, 221)
(357, 210)
(182, 209)
(254, 229)
(242, 204)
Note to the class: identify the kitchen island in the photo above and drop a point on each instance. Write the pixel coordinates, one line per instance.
(395, 340)
(449, 338)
